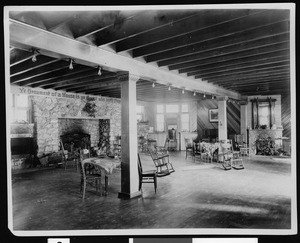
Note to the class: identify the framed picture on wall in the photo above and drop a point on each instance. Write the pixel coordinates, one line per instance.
(213, 115)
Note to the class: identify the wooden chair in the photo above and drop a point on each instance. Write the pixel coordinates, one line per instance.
(149, 176)
(244, 150)
(206, 152)
(188, 147)
(243, 147)
(231, 159)
(69, 157)
(162, 149)
(162, 163)
(196, 150)
(90, 175)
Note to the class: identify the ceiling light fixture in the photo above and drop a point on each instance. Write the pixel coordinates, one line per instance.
(212, 97)
(35, 53)
(71, 64)
(183, 91)
(99, 71)
(204, 95)
(153, 84)
(194, 93)
(169, 87)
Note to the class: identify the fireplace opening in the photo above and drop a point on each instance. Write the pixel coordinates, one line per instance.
(76, 140)
(265, 146)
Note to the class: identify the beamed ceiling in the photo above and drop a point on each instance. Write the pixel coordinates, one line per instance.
(234, 52)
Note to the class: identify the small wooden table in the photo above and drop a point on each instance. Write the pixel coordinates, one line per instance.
(107, 165)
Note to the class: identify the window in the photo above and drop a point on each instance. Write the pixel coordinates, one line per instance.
(20, 108)
(160, 108)
(160, 122)
(185, 122)
(140, 113)
(172, 108)
(184, 108)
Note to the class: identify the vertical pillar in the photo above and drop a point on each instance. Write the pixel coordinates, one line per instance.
(244, 119)
(129, 163)
(222, 109)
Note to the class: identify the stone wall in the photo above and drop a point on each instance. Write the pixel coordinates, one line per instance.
(48, 110)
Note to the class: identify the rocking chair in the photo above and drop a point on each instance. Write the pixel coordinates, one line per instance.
(162, 163)
(231, 159)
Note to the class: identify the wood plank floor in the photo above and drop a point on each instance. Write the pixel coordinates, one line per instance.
(195, 196)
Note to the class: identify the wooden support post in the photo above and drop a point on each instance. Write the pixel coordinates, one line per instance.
(243, 119)
(222, 125)
(129, 162)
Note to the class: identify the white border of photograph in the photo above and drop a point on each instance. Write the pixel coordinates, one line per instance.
(183, 231)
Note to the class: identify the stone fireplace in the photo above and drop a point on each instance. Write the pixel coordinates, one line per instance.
(55, 117)
(259, 139)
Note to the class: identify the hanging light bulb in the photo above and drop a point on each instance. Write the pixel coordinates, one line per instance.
(169, 87)
(35, 53)
(34, 58)
(71, 64)
(99, 71)
(183, 91)
(212, 97)
(153, 84)
(204, 95)
(194, 93)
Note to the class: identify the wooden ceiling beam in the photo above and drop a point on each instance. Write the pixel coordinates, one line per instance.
(238, 48)
(27, 35)
(48, 77)
(17, 56)
(129, 25)
(262, 88)
(116, 94)
(231, 78)
(258, 69)
(108, 84)
(246, 82)
(221, 29)
(76, 76)
(231, 56)
(182, 27)
(243, 86)
(221, 63)
(69, 80)
(84, 82)
(266, 92)
(259, 62)
(27, 75)
(29, 65)
(60, 75)
(260, 32)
